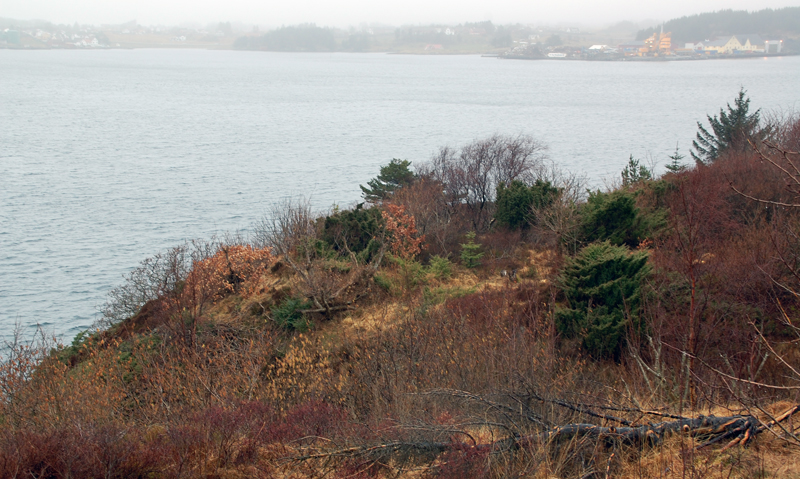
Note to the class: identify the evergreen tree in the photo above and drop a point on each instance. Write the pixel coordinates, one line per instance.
(676, 166)
(603, 286)
(729, 131)
(393, 176)
(471, 253)
(516, 200)
(635, 172)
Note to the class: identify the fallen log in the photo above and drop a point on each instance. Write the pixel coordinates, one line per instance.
(711, 429)
(737, 430)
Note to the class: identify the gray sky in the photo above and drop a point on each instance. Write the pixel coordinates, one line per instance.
(353, 12)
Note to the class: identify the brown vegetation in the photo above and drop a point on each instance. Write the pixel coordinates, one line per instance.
(417, 366)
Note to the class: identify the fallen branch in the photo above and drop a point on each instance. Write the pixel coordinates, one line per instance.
(737, 430)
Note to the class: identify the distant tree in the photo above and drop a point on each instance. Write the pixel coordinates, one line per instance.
(393, 176)
(729, 131)
(634, 172)
(298, 38)
(773, 22)
(501, 37)
(225, 28)
(676, 166)
(553, 41)
(356, 42)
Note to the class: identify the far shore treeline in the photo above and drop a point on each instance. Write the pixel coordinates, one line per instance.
(781, 22)
(773, 23)
(624, 40)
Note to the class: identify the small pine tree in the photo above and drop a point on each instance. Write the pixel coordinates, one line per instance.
(676, 165)
(635, 172)
(470, 252)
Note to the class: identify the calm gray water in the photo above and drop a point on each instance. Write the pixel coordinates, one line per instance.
(107, 157)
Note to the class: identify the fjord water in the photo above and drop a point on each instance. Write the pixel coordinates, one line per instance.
(107, 157)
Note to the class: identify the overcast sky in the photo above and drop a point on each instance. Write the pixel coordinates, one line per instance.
(353, 12)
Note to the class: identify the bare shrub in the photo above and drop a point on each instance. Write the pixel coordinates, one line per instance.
(470, 175)
(332, 282)
(156, 277)
(558, 224)
(435, 217)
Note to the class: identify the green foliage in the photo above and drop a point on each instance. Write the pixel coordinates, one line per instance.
(694, 28)
(382, 281)
(296, 38)
(635, 173)
(516, 200)
(603, 285)
(470, 252)
(612, 217)
(501, 37)
(289, 314)
(357, 42)
(729, 131)
(393, 176)
(676, 165)
(412, 273)
(434, 296)
(82, 342)
(354, 230)
(440, 268)
(553, 41)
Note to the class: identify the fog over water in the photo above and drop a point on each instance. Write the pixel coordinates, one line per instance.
(344, 13)
(111, 156)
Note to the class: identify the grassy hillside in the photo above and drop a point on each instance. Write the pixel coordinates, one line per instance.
(483, 317)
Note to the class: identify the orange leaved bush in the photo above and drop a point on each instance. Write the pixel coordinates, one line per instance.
(233, 269)
(402, 229)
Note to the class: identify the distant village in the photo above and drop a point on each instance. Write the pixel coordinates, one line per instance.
(128, 35)
(518, 41)
(661, 45)
(658, 46)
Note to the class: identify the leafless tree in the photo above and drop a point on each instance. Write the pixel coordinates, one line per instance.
(155, 278)
(560, 220)
(470, 175)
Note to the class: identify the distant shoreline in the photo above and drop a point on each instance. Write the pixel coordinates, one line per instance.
(670, 58)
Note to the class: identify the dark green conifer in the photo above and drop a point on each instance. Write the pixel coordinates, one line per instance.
(393, 176)
(730, 131)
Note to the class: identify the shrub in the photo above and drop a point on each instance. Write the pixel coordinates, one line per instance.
(470, 252)
(355, 231)
(470, 175)
(439, 267)
(515, 201)
(614, 217)
(289, 314)
(412, 273)
(603, 287)
(401, 230)
(634, 172)
(435, 296)
(382, 281)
